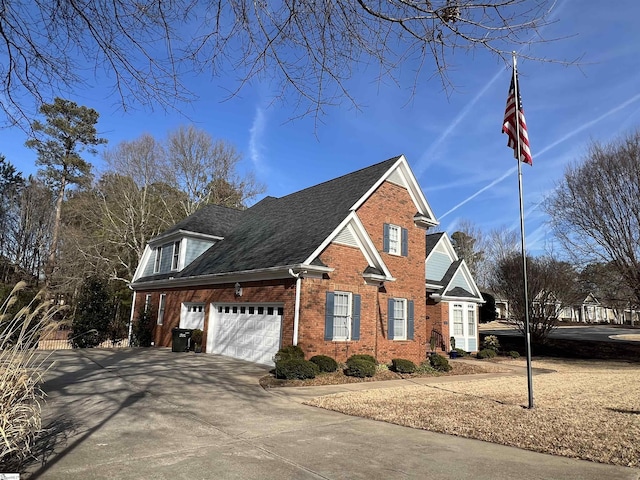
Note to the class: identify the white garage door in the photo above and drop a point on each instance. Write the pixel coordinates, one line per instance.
(247, 332)
(192, 315)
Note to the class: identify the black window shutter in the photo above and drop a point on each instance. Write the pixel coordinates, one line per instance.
(355, 318)
(390, 322)
(405, 242)
(328, 317)
(410, 322)
(385, 238)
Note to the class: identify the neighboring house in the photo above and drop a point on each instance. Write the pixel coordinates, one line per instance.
(337, 268)
(453, 296)
(588, 309)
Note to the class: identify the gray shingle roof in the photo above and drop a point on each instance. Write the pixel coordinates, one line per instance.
(432, 241)
(459, 292)
(453, 268)
(286, 231)
(210, 219)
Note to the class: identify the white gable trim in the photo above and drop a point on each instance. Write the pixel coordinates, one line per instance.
(178, 234)
(445, 246)
(365, 244)
(142, 263)
(402, 170)
(462, 268)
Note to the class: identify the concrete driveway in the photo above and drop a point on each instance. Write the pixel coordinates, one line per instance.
(154, 414)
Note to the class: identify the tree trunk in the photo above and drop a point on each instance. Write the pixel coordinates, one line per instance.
(51, 261)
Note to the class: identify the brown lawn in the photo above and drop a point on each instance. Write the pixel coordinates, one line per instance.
(585, 409)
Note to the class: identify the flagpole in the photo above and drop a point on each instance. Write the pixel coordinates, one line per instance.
(527, 332)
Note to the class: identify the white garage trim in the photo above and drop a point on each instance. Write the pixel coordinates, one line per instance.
(192, 315)
(245, 331)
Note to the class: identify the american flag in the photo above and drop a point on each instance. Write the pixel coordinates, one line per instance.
(509, 125)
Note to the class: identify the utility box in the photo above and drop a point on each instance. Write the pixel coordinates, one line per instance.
(180, 340)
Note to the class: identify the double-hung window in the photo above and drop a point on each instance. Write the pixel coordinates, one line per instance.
(147, 302)
(471, 319)
(395, 240)
(458, 330)
(158, 259)
(400, 319)
(175, 259)
(342, 316)
(161, 303)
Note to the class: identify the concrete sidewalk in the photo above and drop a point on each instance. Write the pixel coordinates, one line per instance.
(154, 414)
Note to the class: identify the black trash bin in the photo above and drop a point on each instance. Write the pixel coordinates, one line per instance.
(180, 339)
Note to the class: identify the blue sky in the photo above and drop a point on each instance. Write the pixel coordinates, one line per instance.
(452, 142)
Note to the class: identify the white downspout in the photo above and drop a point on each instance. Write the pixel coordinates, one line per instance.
(296, 313)
(133, 309)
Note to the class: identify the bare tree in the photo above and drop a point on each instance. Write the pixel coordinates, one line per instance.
(132, 203)
(206, 170)
(497, 245)
(550, 289)
(595, 211)
(309, 49)
(30, 233)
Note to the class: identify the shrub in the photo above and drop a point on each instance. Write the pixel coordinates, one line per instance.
(143, 329)
(401, 365)
(324, 363)
(491, 342)
(486, 353)
(461, 352)
(289, 352)
(439, 363)
(425, 367)
(365, 357)
(296, 369)
(360, 368)
(514, 354)
(196, 338)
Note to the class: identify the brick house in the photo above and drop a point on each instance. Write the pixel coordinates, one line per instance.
(337, 268)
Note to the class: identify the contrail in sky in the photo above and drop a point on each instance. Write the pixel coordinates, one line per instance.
(456, 121)
(255, 136)
(486, 187)
(582, 127)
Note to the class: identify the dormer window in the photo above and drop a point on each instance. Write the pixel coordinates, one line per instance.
(176, 255)
(156, 264)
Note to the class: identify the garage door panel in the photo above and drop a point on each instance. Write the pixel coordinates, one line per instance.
(249, 334)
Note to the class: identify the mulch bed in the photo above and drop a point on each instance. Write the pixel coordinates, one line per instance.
(338, 377)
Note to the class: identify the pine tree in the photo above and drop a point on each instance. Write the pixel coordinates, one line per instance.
(69, 129)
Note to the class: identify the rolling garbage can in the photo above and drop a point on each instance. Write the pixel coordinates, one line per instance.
(180, 339)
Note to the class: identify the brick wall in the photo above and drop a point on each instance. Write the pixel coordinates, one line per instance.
(275, 291)
(389, 204)
(438, 320)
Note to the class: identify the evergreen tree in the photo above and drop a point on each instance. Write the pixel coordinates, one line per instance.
(69, 129)
(94, 313)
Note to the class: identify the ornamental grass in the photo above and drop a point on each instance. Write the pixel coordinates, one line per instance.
(22, 368)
